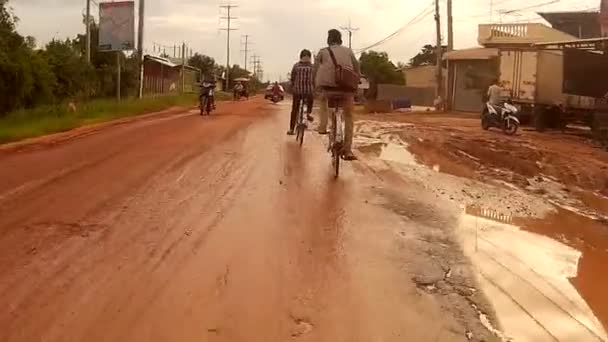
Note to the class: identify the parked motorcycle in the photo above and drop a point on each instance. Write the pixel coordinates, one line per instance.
(503, 117)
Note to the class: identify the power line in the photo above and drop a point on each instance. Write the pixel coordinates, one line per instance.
(529, 7)
(416, 19)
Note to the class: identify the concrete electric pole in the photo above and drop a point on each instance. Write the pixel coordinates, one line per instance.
(439, 52)
(246, 51)
(228, 28)
(450, 27)
(350, 31)
(88, 32)
(140, 47)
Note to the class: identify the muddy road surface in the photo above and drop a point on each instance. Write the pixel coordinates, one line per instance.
(179, 228)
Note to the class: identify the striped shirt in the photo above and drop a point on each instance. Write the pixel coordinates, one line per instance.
(302, 80)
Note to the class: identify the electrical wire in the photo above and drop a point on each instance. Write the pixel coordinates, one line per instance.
(416, 19)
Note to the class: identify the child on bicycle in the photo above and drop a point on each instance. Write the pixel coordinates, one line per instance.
(302, 83)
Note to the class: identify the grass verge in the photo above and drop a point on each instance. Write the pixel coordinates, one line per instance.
(34, 122)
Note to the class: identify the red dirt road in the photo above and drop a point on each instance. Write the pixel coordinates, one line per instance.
(178, 228)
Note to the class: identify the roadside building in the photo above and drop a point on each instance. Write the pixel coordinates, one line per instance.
(164, 76)
(421, 84)
(471, 71)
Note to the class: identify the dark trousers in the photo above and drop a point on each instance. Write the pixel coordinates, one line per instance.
(295, 107)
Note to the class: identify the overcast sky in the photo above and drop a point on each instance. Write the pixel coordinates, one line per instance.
(280, 29)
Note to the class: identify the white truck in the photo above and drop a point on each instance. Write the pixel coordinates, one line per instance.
(533, 79)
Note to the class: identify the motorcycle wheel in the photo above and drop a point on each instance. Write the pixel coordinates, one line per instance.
(511, 129)
(202, 106)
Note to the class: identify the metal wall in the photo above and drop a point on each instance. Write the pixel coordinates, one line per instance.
(470, 83)
(417, 96)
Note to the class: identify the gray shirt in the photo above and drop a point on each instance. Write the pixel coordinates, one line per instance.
(324, 69)
(495, 94)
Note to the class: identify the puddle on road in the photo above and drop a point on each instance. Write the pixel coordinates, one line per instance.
(538, 283)
(397, 153)
(588, 236)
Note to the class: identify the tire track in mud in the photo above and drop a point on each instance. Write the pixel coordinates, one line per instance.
(71, 259)
(155, 257)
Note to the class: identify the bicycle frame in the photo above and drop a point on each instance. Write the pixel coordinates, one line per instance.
(336, 136)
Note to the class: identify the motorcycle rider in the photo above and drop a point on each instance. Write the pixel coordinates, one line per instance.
(325, 79)
(209, 83)
(495, 97)
(276, 89)
(238, 90)
(303, 85)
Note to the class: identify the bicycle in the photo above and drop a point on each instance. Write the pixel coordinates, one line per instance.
(301, 125)
(336, 134)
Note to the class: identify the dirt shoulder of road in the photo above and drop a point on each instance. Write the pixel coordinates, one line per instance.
(82, 131)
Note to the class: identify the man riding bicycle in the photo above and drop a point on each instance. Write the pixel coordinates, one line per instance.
(303, 85)
(325, 77)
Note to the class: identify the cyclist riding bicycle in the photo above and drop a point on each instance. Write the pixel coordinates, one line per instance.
(325, 79)
(303, 85)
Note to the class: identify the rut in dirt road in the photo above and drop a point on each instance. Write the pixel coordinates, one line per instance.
(219, 230)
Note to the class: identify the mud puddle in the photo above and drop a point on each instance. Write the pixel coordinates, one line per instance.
(590, 238)
(542, 286)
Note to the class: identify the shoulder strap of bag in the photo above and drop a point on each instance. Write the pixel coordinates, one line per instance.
(333, 57)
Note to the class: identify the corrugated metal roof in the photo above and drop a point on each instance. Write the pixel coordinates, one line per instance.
(557, 18)
(473, 53)
(161, 60)
(170, 62)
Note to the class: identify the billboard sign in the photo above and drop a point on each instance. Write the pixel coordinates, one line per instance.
(604, 17)
(117, 26)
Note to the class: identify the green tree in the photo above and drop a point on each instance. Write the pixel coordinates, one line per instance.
(379, 69)
(237, 72)
(25, 79)
(205, 63)
(69, 67)
(427, 56)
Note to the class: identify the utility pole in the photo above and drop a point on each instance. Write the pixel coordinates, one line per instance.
(350, 31)
(439, 52)
(228, 7)
(183, 67)
(140, 47)
(88, 32)
(118, 72)
(450, 27)
(246, 51)
(257, 69)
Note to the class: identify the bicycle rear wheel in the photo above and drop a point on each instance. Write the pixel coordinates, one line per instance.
(301, 127)
(300, 134)
(336, 148)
